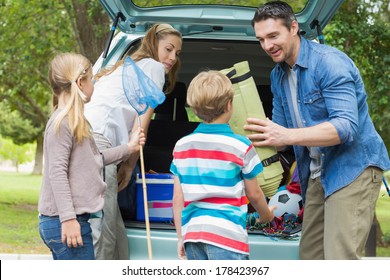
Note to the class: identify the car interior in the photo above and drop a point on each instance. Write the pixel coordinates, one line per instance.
(171, 118)
(171, 121)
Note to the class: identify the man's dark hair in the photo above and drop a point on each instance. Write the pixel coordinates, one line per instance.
(275, 10)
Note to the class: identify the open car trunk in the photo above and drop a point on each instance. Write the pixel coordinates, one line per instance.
(171, 122)
(215, 36)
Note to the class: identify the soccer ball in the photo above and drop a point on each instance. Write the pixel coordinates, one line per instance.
(286, 202)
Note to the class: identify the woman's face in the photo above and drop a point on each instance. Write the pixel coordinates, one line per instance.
(169, 49)
(86, 85)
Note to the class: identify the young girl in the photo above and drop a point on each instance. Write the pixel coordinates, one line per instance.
(113, 119)
(72, 187)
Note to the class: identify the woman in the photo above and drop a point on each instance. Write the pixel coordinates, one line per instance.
(113, 119)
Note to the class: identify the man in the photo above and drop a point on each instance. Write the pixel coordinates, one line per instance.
(319, 108)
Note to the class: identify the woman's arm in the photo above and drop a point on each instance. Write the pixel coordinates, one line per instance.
(127, 167)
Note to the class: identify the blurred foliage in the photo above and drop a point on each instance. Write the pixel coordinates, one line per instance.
(361, 29)
(12, 123)
(32, 33)
(18, 154)
(297, 5)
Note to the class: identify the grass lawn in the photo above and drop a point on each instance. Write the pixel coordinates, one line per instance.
(383, 211)
(383, 215)
(19, 216)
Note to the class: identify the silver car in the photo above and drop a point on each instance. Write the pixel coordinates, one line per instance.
(216, 35)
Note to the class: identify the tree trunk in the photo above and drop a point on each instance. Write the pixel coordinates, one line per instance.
(38, 165)
(90, 41)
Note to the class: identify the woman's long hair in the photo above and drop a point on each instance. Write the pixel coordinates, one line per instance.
(149, 49)
(64, 71)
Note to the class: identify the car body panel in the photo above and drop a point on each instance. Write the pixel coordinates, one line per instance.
(195, 19)
(164, 245)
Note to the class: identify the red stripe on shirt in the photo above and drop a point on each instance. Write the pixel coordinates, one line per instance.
(250, 147)
(222, 200)
(195, 153)
(217, 239)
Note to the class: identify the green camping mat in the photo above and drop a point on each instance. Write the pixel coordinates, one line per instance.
(247, 103)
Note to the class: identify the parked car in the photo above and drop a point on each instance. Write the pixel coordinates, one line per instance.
(215, 36)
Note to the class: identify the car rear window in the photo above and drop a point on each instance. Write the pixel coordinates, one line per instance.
(297, 5)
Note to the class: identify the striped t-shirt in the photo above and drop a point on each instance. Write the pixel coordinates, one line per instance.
(211, 164)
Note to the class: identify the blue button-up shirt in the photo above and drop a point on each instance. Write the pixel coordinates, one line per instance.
(330, 89)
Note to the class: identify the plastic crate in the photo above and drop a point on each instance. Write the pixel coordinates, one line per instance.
(159, 188)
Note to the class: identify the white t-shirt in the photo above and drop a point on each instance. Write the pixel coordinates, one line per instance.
(109, 112)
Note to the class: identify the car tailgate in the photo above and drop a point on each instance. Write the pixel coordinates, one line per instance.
(164, 244)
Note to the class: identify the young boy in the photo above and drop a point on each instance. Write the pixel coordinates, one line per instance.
(215, 172)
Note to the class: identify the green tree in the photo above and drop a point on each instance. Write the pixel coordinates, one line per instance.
(32, 32)
(18, 154)
(361, 29)
(297, 5)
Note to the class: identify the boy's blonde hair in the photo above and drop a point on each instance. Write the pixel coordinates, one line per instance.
(208, 94)
(149, 49)
(64, 71)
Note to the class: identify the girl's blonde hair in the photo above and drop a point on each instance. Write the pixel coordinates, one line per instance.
(64, 71)
(149, 49)
(208, 94)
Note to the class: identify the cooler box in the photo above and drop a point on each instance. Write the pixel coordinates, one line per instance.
(159, 189)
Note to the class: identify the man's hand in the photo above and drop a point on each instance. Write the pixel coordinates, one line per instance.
(266, 133)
